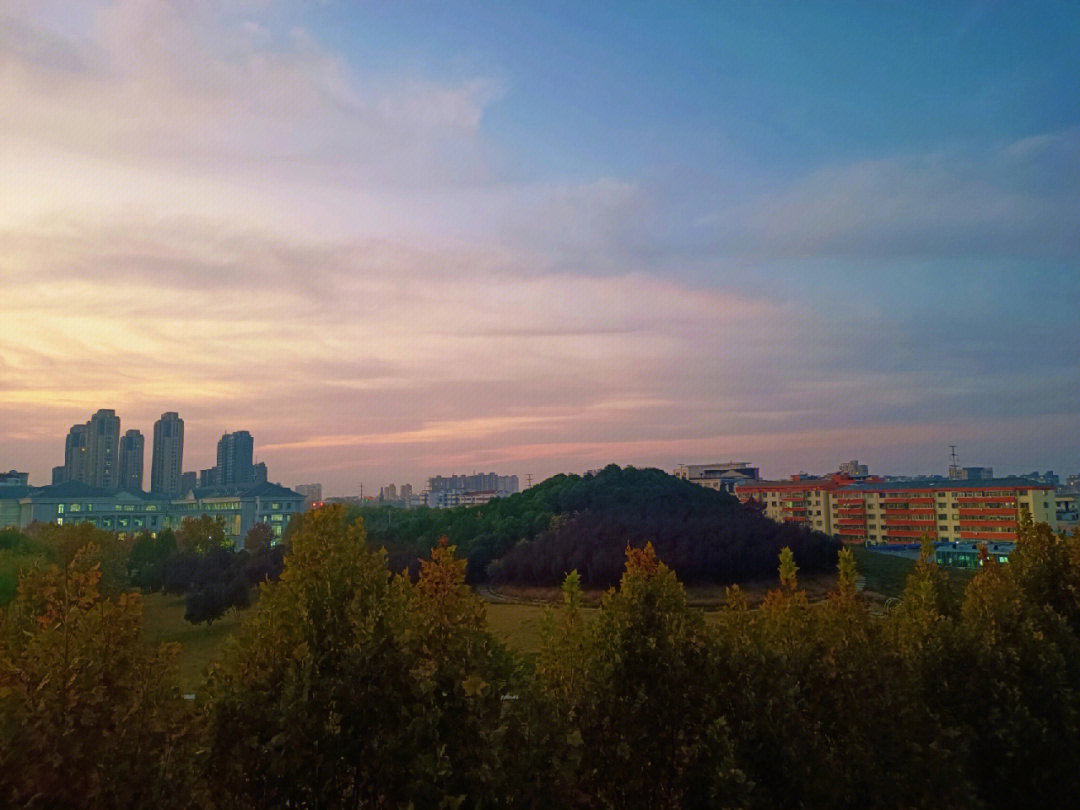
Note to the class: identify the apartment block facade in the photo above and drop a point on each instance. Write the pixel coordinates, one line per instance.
(877, 511)
(167, 459)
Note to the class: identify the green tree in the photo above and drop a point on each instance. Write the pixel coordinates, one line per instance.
(199, 535)
(146, 562)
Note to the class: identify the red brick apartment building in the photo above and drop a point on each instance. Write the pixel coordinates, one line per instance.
(876, 511)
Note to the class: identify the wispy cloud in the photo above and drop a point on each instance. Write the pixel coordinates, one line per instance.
(208, 210)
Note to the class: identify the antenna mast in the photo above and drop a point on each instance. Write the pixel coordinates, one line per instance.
(954, 467)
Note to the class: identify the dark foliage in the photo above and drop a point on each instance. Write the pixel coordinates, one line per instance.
(584, 523)
(218, 578)
(703, 535)
(146, 563)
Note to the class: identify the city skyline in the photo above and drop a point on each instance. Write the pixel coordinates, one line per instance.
(395, 241)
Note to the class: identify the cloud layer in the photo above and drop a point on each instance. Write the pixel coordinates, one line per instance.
(209, 211)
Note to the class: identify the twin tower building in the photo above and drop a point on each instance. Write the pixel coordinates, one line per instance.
(97, 454)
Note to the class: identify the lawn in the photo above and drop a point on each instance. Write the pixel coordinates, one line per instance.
(516, 623)
(163, 620)
(886, 574)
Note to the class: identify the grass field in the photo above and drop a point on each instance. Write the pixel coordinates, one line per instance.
(886, 574)
(514, 618)
(517, 625)
(163, 620)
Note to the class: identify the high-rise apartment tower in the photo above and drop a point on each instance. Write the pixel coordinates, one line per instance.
(130, 469)
(102, 444)
(168, 456)
(234, 454)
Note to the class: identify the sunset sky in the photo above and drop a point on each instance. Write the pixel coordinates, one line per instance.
(393, 240)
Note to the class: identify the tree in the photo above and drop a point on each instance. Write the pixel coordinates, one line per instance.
(1021, 667)
(346, 686)
(258, 539)
(651, 728)
(198, 535)
(89, 716)
(110, 550)
(146, 562)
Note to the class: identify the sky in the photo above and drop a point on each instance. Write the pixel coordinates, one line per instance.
(395, 240)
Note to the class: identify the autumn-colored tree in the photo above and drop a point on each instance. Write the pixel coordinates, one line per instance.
(1046, 567)
(89, 715)
(1021, 699)
(651, 731)
(347, 687)
(458, 683)
(818, 714)
(110, 550)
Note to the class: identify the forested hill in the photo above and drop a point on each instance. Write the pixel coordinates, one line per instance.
(585, 522)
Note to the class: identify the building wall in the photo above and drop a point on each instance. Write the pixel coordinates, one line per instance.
(234, 458)
(723, 476)
(803, 500)
(877, 512)
(167, 459)
(75, 458)
(126, 512)
(102, 448)
(130, 468)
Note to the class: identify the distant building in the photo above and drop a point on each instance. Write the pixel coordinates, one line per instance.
(208, 478)
(406, 491)
(102, 449)
(14, 479)
(90, 451)
(970, 473)
(1068, 513)
(445, 492)
(853, 469)
(13, 486)
(1047, 477)
(803, 499)
(130, 466)
(188, 482)
(237, 509)
(234, 459)
(167, 459)
(75, 455)
(78, 502)
(312, 493)
(240, 508)
(722, 476)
